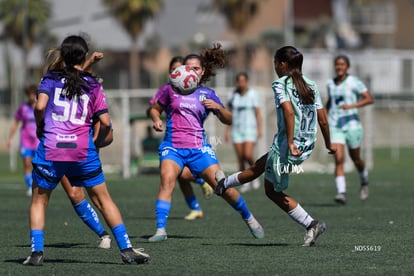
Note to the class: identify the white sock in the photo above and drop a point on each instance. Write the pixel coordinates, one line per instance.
(363, 175)
(340, 184)
(299, 215)
(232, 180)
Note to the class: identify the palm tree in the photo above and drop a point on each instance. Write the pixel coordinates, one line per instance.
(132, 15)
(23, 21)
(238, 14)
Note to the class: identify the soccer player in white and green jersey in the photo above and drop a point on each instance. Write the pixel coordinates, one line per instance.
(346, 94)
(298, 108)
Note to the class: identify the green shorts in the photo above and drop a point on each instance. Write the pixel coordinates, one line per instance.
(278, 167)
(352, 138)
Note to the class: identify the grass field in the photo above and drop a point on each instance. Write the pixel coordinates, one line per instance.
(362, 238)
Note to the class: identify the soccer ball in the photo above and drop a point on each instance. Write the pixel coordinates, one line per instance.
(184, 80)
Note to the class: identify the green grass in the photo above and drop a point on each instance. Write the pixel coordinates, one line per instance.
(220, 244)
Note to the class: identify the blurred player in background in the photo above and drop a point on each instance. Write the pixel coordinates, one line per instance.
(246, 127)
(28, 139)
(185, 143)
(346, 94)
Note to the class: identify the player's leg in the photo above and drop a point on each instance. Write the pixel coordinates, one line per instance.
(354, 140)
(169, 170)
(248, 152)
(86, 212)
(42, 188)
(239, 178)
(239, 149)
(340, 180)
(99, 193)
(234, 198)
(190, 198)
(27, 155)
(288, 204)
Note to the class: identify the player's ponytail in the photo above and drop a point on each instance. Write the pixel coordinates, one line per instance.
(210, 58)
(73, 52)
(294, 60)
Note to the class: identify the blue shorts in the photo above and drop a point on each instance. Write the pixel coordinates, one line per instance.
(47, 174)
(197, 160)
(26, 152)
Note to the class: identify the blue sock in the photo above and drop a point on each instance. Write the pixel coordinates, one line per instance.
(192, 203)
(28, 179)
(88, 215)
(241, 207)
(121, 236)
(162, 210)
(37, 240)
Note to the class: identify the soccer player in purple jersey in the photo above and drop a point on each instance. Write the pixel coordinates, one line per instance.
(185, 143)
(69, 100)
(186, 176)
(28, 139)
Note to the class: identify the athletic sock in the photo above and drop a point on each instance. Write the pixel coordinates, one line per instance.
(363, 175)
(121, 236)
(199, 181)
(37, 240)
(241, 207)
(192, 203)
(340, 184)
(232, 180)
(162, 210)
(28, 179)
(88, 215)
(299, 215)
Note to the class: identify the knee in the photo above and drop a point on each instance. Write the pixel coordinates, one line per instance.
(76, 195)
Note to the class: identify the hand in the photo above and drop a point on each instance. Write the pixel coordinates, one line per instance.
(346, 106)
(331, 149)
(294, 151)
(157, 125)
(95, 57)
(210, 104)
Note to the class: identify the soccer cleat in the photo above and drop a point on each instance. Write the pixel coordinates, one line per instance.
(160, 235)
(255, 228)
(313, 231)
(194, 214)
(340, 198)
(131, 255)
(207, 191)
(245, 187)
(363, 193)
(36, 259)
(220, 178)
(105, 242)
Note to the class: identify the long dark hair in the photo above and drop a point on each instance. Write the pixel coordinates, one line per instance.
(72, 52)
(294, 60)
(209, 58)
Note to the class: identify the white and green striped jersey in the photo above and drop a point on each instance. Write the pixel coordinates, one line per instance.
(243, 108)
(306, 118)
(347, 92)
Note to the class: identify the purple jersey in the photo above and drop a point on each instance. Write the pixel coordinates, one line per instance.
(68, 133)
(25, 114)
(185, 116)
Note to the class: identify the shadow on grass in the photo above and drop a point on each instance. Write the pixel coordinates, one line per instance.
(259, 245)
(60, 245)
(174, 237)
(65, 261)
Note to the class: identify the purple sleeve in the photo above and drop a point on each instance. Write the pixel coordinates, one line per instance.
(155, 98)
(19, 116)
(100, 105)
(163, 96)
